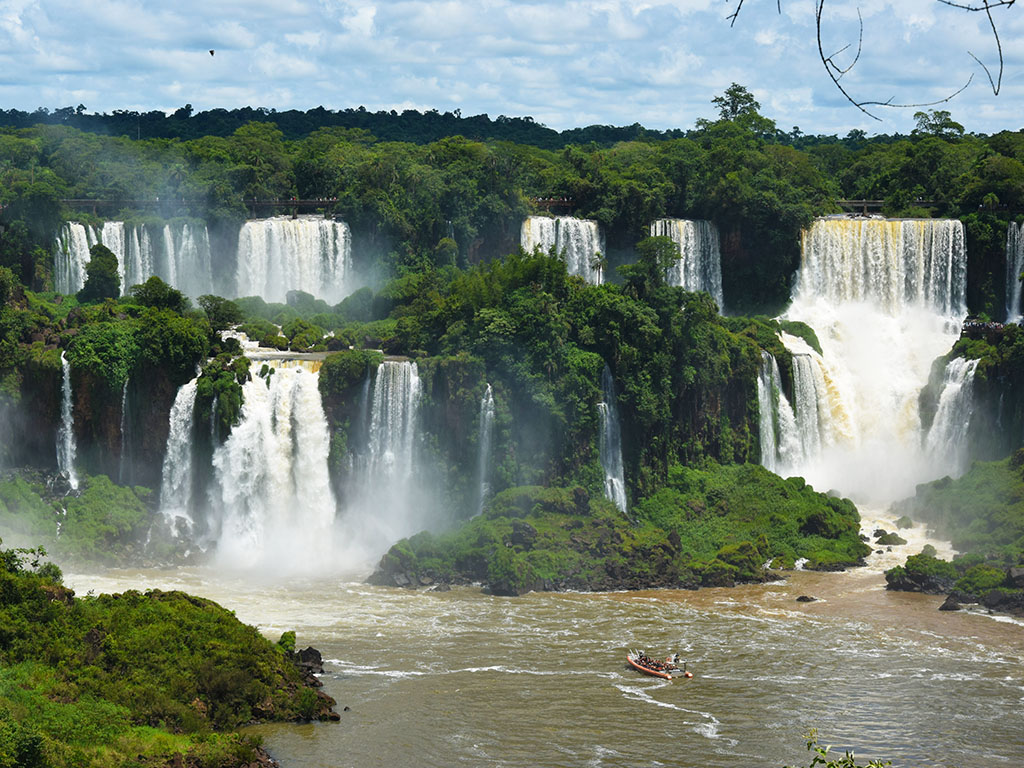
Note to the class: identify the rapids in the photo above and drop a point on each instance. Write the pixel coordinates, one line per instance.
(462, 678)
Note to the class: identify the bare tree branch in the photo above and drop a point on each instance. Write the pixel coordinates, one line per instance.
(836, 72)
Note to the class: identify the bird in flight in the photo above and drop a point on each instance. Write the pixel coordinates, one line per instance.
(211, 52)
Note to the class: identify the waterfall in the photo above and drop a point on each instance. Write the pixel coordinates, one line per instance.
(281, 254)
(781, 445)
(66, 448)
(180, 256)
(700, 261)
(393, 421)
(577, 241)
(272, 501)
(885, 298)
(610, 443)
(176, 475)
(484, 447)
(389, 501)
(1014, 267)
(892, 264)
(946, 443)
(125, 459)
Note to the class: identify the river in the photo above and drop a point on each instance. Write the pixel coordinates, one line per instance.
(461, 678)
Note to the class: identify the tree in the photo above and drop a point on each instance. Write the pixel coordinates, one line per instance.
(736, 101)
(222, 313)
(156, 293)
(101, 278)
(937, 122)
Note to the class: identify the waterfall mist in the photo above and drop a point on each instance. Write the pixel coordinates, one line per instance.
(271, 504)
(700, 261)
(886, 298)
(577, 241)
(392, 498)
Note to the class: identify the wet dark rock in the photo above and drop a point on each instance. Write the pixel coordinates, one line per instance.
(523, 535)
(1015, 577)
(806, 599)
(310, 659)
(441, 588)
(951, 604)
(889, 539)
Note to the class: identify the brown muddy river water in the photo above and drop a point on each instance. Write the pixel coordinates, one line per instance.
(462, 678)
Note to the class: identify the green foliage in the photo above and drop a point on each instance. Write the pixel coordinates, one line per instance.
(713, 526)
(981, 512)
(287, 642)
(159, 295)
(821, 756)
(222, 313)
(101, 278)
(132, 679)
(108, 351)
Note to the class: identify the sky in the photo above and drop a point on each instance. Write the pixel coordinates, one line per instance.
(565, 64)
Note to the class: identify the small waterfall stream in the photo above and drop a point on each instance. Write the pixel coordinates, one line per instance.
(700, 261)
(484, 447)
(1014, 267)
(177, 471)
(577, 241)
(610, 443)
(781, 446)
(66, 447)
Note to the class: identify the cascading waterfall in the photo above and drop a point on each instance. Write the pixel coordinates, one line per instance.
(180, 255)
(577, 241)
(885, 299)
(177, 472)
(946, 443)
(484, 442)
(272, 501)
(390, 503)
(610, 443)
(1014, 267)
(66, 447)
(307, 253)
(781, 446)
(700, 261)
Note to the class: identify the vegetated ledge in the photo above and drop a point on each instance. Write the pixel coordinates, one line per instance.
(707, 527)
(141, 679)
(982, 514)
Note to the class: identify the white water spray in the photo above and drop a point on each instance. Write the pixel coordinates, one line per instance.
(272, 501)
(484, 443)
(66, 447)
(885, 298)
(699, 267)
(177, 472)
(610, 443)
(578, 241)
